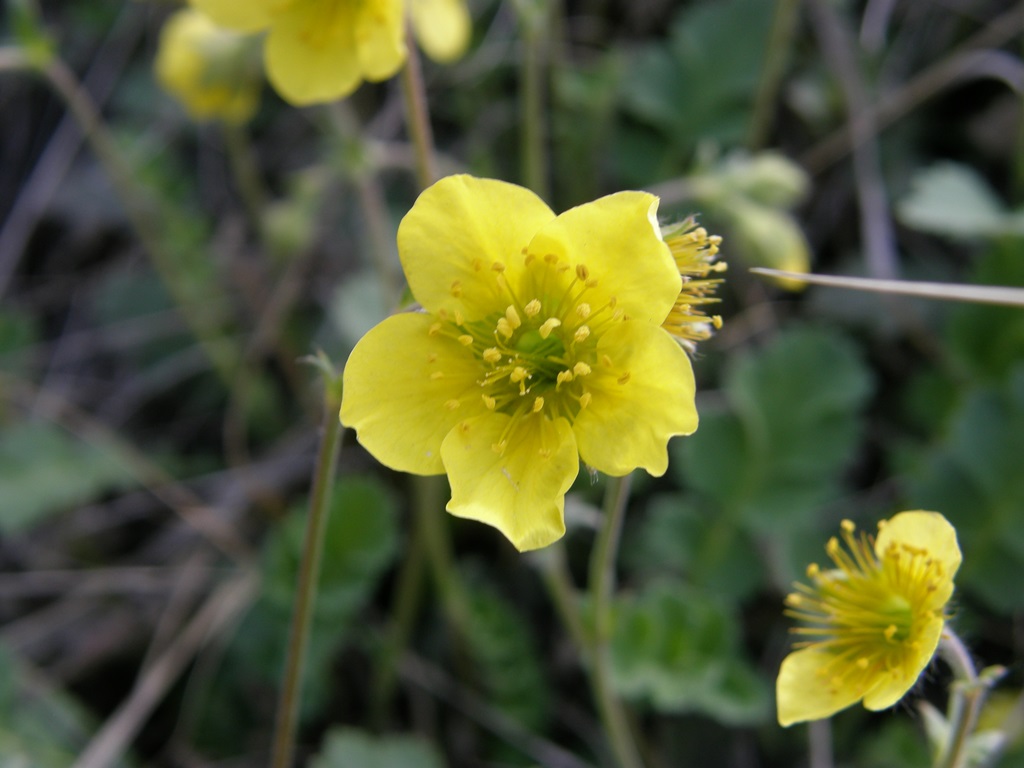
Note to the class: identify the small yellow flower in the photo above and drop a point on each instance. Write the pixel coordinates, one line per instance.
(540, 344)
(319, 50)
(210, 70)
(695, 252)
(871, 624)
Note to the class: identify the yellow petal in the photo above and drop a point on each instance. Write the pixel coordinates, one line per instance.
(311, 52)
(380, 38)
(455, 233)
(893, 686)
(627, 424)
(396, 402)
(442, 27)
(617, 238)
(247, 16)
(520, 491)
(929, 531)
(808, 687)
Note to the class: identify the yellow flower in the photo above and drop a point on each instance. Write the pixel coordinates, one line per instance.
(210, 70)
(541, 343)
(442, 27)
(873, 623)
(319, 50)
(694, 251)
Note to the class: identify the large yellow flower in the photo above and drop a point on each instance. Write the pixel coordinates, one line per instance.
(540, 344)
(873, 623)
(210, 70)
(321, 50)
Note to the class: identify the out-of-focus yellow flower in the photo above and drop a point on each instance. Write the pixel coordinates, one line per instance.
(770, 237)
(871, 624)
(540, 344)
(695, 253)
(442, 27)
(212, 71)
(319, 50)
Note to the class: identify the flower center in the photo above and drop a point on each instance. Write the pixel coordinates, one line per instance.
(538, 354)
(869, 610)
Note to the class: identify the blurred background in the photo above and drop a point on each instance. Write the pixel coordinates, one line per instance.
(163, 282)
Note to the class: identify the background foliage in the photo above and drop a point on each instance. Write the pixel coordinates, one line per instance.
(157, 431)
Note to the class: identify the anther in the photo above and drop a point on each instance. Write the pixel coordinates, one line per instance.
(498, 266)
(591, 282)
(432, 357)
(434, 329)
(504, 327)
(890, 632)
(582, 272)
(606, 361)
(499, 448)
(624, 378)
(492, 355)
(862, 663)
(581, 369)
(466, 340)
(513, 317)
(548, 326)
(533, 308)
(451, 405)
(562, 377)
(518, 374)
(847, 526)
(550, 258)
(583, 310)
(478, 264)
(584, 400)
(489, 402)
(538, 404)
(581, 334)
(456, 289)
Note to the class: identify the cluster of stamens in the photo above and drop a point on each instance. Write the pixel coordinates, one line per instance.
(539, 355)
(867, 610)
(695, 253)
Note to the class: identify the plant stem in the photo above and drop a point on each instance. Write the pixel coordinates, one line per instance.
(243, 169)
(143, 211)
(417, 116)
(308, 580)
(780, 43)
(602, 587)
(532, 20)
(431, 516)
(965, 700)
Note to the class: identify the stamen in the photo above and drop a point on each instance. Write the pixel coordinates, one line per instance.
(466, 340)
(456, 289)
(582, 272)
(624, 378)
(513, 317)
(548, 326)
(451, 405)
(498, 266)
(538, 404)
(584, 400)
(504, 327)
(489, 402)
(581, 334)
(492, 355)
(581, 369)
(533, 308)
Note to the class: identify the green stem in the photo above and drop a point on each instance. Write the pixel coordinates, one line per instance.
(532, 20)
(417, 116)
(431, 515)
(602, 587)
(409, 591)
(243, 169)
(966, 695)
(143, 212)
(308, 580)
(780, 43)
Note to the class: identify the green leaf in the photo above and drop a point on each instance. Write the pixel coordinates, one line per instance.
(777, 453)
(689, 89)
(974, 478)
(40, 726)
(682, 539)
(679, 649)
(953, 199)
(360, 544)
(45, 471)
(351, 748)
(988, 340)
(504, 655)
